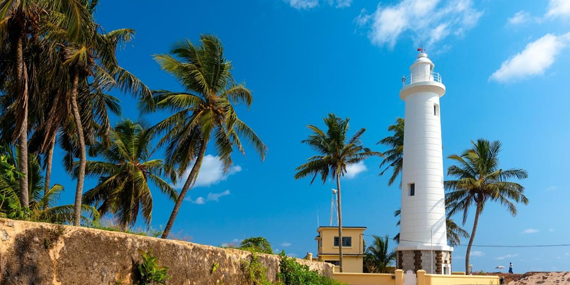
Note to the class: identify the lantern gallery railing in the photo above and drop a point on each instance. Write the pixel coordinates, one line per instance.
(413, 78)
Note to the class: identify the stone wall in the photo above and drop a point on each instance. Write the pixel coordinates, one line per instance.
(39, 253)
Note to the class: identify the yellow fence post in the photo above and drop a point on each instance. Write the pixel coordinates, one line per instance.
(399, 277)
(421, 275)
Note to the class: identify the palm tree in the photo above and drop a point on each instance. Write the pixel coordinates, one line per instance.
(454, 232)
(394, 157)
(203, 113)
(124, 175)
(377, 257)
(21, 23)
(92, 59)
(335, 152)
(479, 180)
(42, 205)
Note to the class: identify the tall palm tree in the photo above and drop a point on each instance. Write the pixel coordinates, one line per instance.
(480, 180)
(124, 175)
(454, 232)
(204, 112)
(335, 152)
(21, 24)
(394, 157)
(92, 59)
(378, 257)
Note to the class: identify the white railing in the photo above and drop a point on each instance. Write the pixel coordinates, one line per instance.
(432, 76)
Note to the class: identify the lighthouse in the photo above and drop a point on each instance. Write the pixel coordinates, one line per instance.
(423, 238)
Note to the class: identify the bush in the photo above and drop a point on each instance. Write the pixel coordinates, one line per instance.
(255, 272)
(150, 272)
(293, 273)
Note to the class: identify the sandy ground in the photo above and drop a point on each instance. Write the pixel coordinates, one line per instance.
(542, 278)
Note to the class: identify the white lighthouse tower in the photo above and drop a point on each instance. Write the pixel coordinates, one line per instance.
(423, 238)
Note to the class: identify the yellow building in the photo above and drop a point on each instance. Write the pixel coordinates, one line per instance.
(352, 247)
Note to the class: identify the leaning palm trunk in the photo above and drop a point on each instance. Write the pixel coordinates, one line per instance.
(49, 161)
(22, 78)
(189, 183)
(82, 151)
(477, 213)
(339, 220)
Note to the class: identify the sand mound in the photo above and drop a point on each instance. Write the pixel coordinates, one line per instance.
(542, 278)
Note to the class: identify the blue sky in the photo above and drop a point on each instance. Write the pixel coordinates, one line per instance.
(504, 64)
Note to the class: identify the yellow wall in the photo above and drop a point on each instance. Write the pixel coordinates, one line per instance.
(365, 278)
(351, 263)
(422, 279)
(460, 279)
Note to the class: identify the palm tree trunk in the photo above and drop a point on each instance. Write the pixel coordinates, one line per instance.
(49, 161)
(82, 151)
(22, 77)
(477, 213)
(339, 214)
(189, 182)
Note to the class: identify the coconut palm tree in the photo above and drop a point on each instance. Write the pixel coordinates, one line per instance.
(480, 180)
(125, 174)
(204, 112)
(335, 152)
(454, 232)
(377, 257)
(21, 24)
(91, 61)
(394, 157)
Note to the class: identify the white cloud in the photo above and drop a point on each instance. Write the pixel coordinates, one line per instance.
(426, 20)
(211, 172)
(551, 188)
(558, 8)
(310, 4)
(211, 197)
(535, 59)
(286, 244)
(506, 256)
(477, 253)
(354, 169)
(530, 231)
(521, 17)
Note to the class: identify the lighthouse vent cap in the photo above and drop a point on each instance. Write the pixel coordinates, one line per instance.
(423, 59)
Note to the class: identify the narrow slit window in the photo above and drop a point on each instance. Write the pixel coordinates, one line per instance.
(435, 109)
(412, 189)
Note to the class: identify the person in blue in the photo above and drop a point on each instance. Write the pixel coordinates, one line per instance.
(511, 267)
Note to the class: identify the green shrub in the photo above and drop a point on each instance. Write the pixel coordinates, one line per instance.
(255, 272)
(294, 273)
(150, 272)
(256, 244)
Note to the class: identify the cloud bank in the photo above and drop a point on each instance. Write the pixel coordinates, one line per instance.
(427, 21)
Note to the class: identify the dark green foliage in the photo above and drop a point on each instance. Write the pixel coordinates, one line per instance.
(255, 272)
(150, 272)
(377, 257)
(256, 244)
(394, 157)
(293, 273)
(126, 172)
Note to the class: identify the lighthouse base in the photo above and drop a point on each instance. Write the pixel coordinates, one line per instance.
(434, 261)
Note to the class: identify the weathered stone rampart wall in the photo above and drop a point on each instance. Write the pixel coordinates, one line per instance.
(39, 253)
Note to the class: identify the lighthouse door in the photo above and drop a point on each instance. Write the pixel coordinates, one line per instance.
(410, 278)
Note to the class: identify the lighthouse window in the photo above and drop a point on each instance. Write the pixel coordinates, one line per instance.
(412, 189)
(435, 109)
